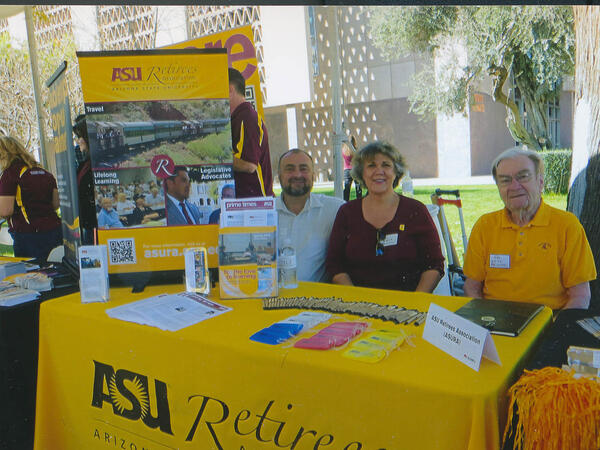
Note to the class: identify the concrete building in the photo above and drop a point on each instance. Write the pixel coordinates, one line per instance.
(331, 56)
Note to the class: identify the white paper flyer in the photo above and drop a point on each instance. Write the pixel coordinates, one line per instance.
(93, 273)
(169, 312)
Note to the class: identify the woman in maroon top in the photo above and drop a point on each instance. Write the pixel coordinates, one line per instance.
(384, 240)
(29, 200)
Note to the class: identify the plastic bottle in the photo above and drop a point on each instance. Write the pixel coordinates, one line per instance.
(407, 184)
(287, 265)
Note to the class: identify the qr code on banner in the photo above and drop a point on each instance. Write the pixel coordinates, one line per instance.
(121, 251)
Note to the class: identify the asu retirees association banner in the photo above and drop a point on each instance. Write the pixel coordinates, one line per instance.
(160, 141)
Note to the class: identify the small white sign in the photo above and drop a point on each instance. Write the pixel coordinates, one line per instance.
(459, 337)
(390, 239)
(500, 261)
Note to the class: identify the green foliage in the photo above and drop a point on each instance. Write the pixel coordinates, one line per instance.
(533, 44)
(214, 148)
(18, 116)
(204, 109)
(557, 170)
(410, 28)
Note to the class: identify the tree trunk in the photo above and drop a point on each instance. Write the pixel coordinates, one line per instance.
(514, 123)
(535, 104)
(585, 177)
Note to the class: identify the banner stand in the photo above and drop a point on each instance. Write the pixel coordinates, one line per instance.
(159, 130)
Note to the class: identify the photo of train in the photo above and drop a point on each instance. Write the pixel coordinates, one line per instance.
(108, 139)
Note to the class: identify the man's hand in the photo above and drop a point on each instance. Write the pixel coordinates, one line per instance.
(240, 165)
(579, 296)
(473, 288)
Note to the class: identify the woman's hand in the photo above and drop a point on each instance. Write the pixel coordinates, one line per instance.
(428, 281)
(342, 278)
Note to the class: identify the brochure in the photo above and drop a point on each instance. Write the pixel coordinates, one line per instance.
(197, 278)
(8, 268)
(11, 294)
(93, 273)
(170, 312)
(248, 248)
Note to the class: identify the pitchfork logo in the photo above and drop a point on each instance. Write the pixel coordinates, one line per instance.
(162, 166)
(128, 394)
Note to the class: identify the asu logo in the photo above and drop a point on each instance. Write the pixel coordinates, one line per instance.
(544, 245)
(127, 74)
(129, 396)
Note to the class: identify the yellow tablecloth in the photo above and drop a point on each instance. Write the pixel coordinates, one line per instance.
(105, 383)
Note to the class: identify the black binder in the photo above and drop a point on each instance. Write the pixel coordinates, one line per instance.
(499, 316)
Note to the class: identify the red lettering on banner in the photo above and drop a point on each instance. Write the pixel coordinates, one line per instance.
(127, 73)
(216, 44)
(246, 53)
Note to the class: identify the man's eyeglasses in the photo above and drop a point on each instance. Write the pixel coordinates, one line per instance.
(521, 177)
(380, 240)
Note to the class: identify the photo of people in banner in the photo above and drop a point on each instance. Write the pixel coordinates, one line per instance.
(136, 198)
(129, 198)
(130, 134)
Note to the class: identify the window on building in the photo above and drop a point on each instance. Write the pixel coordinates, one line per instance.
(312, 29)
(552, 115)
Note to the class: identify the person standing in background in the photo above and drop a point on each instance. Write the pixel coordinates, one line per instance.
(29, 200)
(250, 141)
(85, 182)
(348, 150)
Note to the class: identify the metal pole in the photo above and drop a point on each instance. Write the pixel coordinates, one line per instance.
(35, 73)
(337, 109)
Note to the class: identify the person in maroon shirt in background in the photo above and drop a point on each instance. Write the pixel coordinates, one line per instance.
(29, 200)
(384, 240)
(251, 158)
(348, 150)
(85, 182)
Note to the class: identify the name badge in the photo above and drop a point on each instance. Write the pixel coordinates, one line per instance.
(390, 239)
(499, 261)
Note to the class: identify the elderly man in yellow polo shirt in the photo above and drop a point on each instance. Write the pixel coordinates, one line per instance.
(528, 251)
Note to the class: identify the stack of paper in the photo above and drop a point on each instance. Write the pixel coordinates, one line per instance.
(35, 281)
(11, 294)
(170, 312)
(8, 268)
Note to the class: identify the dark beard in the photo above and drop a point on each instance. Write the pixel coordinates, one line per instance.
(288, 190)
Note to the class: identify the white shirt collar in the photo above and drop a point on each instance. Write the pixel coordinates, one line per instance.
(174, 200)
(313, 201)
